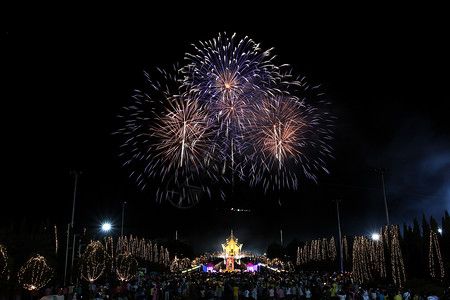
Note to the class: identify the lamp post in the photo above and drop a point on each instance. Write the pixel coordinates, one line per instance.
(381, 172)
(67, 252)
(121, 230)
(340, 234)
(70, 225)
(73, 254)
(75, 174)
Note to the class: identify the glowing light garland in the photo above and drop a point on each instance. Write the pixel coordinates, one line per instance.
(4, 270)
(433, 250)
(175, 265)
(361, 259)
(56, 239)
(398, 268)
(378, 254)
(35, 273)
(155, 253)
(93, 261)
(126, 266)
(317, 250)
(140, 248)
(332, 252)
(369, 257)
(345, 248)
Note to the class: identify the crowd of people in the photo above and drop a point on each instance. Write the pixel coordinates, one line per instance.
(245, 285)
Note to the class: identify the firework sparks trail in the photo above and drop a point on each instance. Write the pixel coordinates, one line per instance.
(167, 136)
(181, 137)
(277, 136)
(229, 110)
(228, 75)
(222, 71)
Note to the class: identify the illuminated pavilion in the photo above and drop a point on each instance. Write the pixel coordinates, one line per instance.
(231, 252)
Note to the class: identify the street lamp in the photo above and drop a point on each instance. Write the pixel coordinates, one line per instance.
(375, 236)
(121, 230)
(106, 227)
(75, 174)
(381, 172)
(70, 225)
(73, 255)
(340, 235)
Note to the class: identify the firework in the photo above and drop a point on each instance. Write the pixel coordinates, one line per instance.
(228, 113)
(278, 135)
(167, 136)
(284, 136)
(229, 75)
(224, 69)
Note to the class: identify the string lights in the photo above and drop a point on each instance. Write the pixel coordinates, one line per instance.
(378, 254)
(369, 257)
(361, 259)
(56, 239)
(175, 265)
(398, 268)
(434, 250)
(35, 273)
(126, 266)
(345, 248)
(332, 253)
(317, 250)
(4, 270)
(93, 261)
(139, 248)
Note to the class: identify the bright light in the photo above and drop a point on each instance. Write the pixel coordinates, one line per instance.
(375, 236)
(106, 227)
(440, 230)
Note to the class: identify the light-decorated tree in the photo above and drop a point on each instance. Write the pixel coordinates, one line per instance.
(35, 273)
(4, 269)
(126, 266)
(93, 261)
(435, 262)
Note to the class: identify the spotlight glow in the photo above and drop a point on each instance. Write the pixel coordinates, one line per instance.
(106, 227)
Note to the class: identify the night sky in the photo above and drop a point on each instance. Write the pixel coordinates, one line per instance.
(67, 76)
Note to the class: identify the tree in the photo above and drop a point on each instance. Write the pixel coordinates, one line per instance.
(415, 261)
(291, 249)
(24, 239)
(433, 224)
(4, 268)
(275, 251)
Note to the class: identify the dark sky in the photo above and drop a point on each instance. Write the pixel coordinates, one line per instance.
(384, 70)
